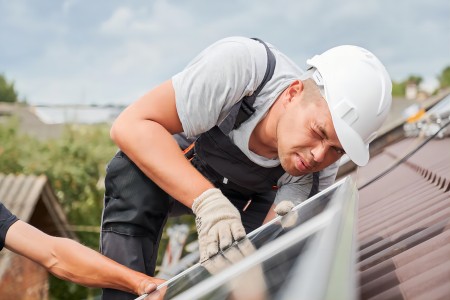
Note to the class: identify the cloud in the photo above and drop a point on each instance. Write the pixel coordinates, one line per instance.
(121, 19)
(114, 51)
(159, 17)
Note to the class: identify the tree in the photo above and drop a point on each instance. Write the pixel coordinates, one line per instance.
(398, 89)
(74, 164)
(413, 79)
(444, 78)
(7, 90)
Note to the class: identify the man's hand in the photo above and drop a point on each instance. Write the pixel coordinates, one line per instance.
(229, 257)
(218, 223)
(284, 209)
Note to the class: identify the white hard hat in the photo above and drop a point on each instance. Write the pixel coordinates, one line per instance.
(358, 91)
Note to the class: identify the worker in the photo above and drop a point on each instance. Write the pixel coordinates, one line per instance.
(264, 131)
(69, 260)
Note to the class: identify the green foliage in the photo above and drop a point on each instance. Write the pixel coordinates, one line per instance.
(7, 90)
(398, 89)
(414, 79)
(75, 165)
(444, 78)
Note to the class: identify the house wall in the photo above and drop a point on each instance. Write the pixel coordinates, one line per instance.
(24, 280)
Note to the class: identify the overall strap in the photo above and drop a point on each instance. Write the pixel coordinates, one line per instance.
(244, 109)
(315, 184)
(247, 108)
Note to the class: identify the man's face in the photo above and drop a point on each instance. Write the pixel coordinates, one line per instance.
(307, 141)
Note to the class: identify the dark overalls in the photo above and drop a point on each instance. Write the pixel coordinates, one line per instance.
(136, 209)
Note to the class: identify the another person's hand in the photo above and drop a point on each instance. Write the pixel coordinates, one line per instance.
(146, 286)
(218, 223)
(156, 295)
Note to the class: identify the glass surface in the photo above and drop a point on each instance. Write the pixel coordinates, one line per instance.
(263, 280)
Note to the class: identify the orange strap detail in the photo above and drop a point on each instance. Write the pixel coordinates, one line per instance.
(189, 148)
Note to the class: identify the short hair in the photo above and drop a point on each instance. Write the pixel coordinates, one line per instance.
(310, 87)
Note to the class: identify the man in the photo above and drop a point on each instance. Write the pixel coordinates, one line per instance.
(68, 259)
(260, 122)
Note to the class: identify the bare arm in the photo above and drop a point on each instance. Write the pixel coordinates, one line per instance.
(72, 261)
(271, 214)
(144, 132)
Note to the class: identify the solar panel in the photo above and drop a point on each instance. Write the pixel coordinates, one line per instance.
(275, 259)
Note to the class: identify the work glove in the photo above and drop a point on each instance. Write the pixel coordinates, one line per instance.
(289, 217)
(218, 223)
(284, 207)
(239, 285)
(229, 257)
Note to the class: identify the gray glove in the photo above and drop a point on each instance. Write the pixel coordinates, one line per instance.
(218, 223)
(229, 257)
(283, 209)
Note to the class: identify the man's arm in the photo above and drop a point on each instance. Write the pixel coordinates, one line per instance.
(271, 214)
(144, 132)
(72, 261)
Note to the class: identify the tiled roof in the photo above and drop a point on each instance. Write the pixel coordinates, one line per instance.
(404, 222)
(31, 199)
(21, 193)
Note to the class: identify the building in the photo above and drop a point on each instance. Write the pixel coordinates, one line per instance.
(32, 199)
(28, 122)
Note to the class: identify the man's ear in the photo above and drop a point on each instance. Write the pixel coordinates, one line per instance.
(295, 88)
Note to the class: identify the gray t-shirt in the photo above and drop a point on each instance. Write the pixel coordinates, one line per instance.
(218, 78)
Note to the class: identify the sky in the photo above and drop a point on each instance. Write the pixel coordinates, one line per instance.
(111, 52)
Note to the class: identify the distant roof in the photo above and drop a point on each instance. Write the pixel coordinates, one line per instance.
(29, 123)
(22, 193)
(404, 222)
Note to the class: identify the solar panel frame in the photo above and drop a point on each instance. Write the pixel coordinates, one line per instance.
(312, 217)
